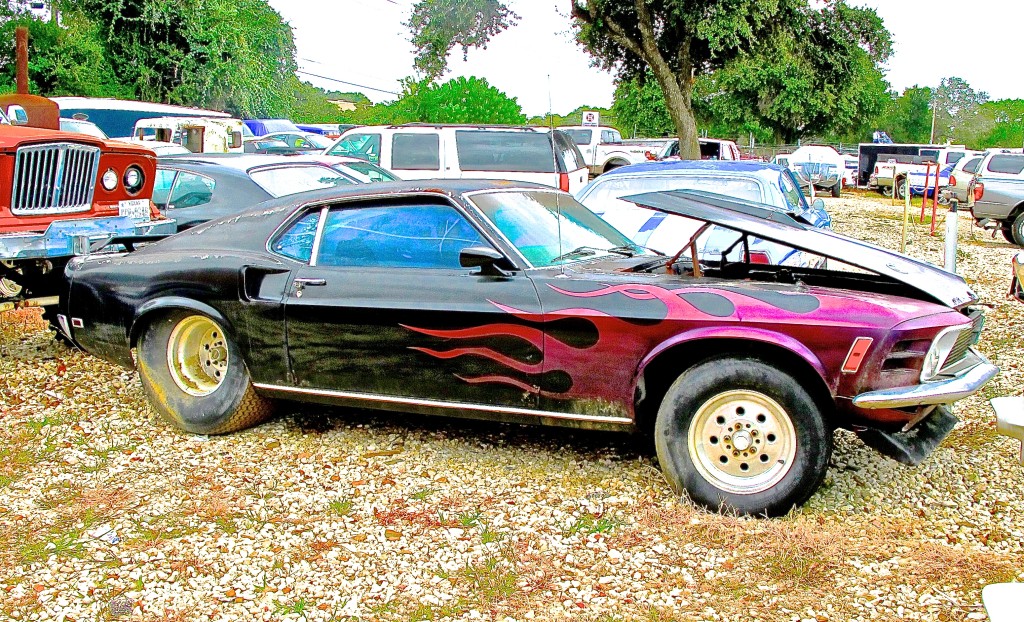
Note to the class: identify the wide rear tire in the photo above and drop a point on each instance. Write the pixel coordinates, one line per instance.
(1016, 230)
(837, 190)
(737, 434)
(194, 376)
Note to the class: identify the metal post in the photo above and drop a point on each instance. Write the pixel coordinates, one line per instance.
(906, 216)
(21, 54)
(952, 221)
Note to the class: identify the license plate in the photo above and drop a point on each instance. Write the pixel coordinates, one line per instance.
(134, 208)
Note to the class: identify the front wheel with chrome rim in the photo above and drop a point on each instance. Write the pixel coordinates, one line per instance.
(740, 434)
(195, 377)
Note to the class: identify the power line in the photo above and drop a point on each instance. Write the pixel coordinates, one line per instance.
(362, 86)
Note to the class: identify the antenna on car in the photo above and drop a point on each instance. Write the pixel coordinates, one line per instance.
(554, 162)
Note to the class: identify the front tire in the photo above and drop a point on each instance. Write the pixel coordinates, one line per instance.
(901, 189)
(736, 433)
(195, 378)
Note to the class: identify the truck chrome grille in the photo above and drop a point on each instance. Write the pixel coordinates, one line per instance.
(55, 178)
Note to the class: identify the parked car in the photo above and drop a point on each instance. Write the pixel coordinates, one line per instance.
(264, 146)
(852, 170)
(425, 151)
(758, 182)
(918, 179)
(819, 166)
(514, 302)
(962, 177)
(603, 148)
(80, 126)
(262, 127)
(195, 189)
(710, 149)
(1001, 165)
(999, 202)
(301, 141)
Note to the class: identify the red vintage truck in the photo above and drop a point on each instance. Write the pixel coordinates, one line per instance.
(64, 194)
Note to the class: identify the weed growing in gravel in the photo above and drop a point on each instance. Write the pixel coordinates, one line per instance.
(61, 545)
(488, 535)
(422, 495)
(470, 518)
(590, 523)
(340, 507)
(297, 606)
(491, 580)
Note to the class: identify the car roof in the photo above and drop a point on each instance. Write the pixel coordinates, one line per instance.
(234, 161)
(709, 166)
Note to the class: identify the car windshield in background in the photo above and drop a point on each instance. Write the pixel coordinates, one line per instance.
(366, 171)
(580, 137)
(317, 141)
(549, 228)
(82, 127)
(605, 196)
(280, 181)
(515, 151)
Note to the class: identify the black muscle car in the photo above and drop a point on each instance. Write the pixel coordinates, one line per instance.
(512, 301)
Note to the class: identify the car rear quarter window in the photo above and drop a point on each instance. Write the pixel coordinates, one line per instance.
(162, 186)
(190, 190)
(297, 241)
(396, 236)
(572, 160)
(504, 151)
(972, 165)
(416, 152)
(954, 156)
(580, 137)
(362, 146)
(1007, 164)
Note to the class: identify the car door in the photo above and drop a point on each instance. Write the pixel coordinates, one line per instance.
(384, 312)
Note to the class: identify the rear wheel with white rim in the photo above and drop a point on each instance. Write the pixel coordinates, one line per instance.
(739, 434)
(194, 375)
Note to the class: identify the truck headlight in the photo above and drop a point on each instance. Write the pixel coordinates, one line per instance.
(109, 179)
(939, 350)
(133, 179)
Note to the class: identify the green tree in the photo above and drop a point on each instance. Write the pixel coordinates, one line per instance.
(955, 104)
(640, 108)
(461, 100)
(235, 55)
(824, 81)
(908, 118)
(62, 61)
(438, 26)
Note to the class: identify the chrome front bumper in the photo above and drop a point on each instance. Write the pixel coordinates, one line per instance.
(1010, 419)
(945, 391)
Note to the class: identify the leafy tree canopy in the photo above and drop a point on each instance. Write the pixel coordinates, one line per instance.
(461, 100)
(438, 26)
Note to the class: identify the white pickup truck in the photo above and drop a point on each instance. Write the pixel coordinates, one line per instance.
(603, 148)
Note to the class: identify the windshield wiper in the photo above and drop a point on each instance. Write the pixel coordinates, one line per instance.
(627, 251)
(581, 251)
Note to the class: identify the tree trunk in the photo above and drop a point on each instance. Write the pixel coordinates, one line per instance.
(678, 102)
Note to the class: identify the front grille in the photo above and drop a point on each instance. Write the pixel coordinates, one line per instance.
(966, 339)
(56, 178)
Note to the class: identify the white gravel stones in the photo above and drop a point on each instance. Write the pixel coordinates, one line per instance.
(323, 515)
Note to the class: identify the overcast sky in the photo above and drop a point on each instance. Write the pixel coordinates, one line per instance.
(364, 42)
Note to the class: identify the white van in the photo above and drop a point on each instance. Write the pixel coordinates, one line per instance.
(425, 151)
(197, 134)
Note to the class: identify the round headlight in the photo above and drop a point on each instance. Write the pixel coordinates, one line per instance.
(133, 179)
(109, 179)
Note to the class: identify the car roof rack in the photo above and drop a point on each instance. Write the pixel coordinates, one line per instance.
(474, 126)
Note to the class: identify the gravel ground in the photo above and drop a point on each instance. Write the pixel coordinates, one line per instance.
(332, 515)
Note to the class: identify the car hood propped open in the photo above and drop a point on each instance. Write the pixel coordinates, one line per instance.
(769, 224)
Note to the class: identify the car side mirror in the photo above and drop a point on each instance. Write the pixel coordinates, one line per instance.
(482, 257)
(17, 115)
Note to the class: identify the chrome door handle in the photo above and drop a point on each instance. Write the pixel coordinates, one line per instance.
(302, 283)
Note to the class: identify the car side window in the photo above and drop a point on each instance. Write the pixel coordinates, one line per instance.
(972, 165)
(297, 241)
(190, 190)
(1008, 164)
(162, 186)
(362, 146)
(396, 236)
(571, 160)
(416, 152)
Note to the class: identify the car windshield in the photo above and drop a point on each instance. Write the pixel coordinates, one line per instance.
(549, 228)
(80, 127)
(366, 172)
(580, 137)
(280, 181)
(317, 141)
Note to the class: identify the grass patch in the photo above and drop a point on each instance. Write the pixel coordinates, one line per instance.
(590, 523)
(340, 507)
